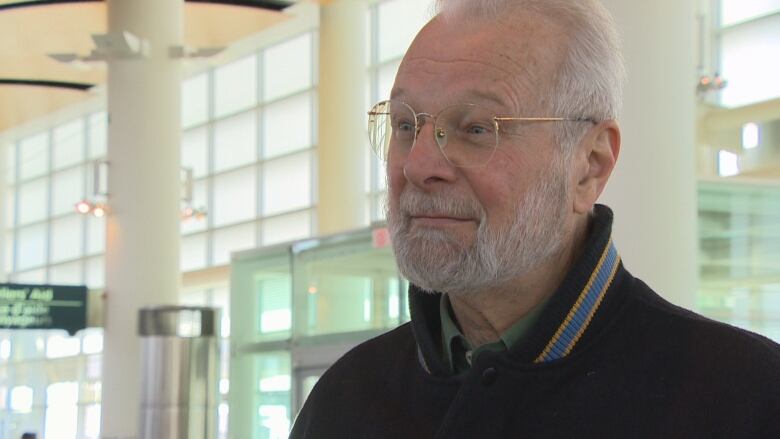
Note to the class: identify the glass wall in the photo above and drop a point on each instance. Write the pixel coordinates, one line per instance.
(296, 309)
(739, 235)
(249, 136)
(749, 45)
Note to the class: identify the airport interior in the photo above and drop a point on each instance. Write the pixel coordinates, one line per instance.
(190, 205)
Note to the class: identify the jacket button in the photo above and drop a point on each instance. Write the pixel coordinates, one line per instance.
(489, 376)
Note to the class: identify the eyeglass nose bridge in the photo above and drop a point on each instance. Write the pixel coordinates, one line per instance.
(439, 133)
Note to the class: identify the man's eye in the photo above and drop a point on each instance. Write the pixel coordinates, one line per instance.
(405, 126)
(476, 130)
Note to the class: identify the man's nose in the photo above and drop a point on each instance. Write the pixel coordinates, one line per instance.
(426, 164)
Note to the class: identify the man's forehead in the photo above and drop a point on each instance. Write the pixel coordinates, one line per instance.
(476, 64)
(521, 53)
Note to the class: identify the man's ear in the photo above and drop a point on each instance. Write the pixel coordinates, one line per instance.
(596, 156)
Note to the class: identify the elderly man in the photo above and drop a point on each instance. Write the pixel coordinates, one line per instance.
(499, 137)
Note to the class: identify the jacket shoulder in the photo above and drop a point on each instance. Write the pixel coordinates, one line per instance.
(354, 381)
(707, 334)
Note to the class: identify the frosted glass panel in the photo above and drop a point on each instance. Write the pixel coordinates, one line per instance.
(733, 11)
(235, 141)
(92, 421)
(32, 246)
(30, 277)
(234, 197)
(66, 238)
(287, 125)
(749, 62)
(399, 22)
(287, 67)
(62, 411)
(287, 183)
(21, 399)
(193, 252)
(195, 151)
(236, 86)
(68, 147)
(67, 189)
(286, 228)
(95, 276)
(232, 239)
(96, 234)
(32, 201)
(275, 307)
(34, 156)
(98, 136)
(194, 100)
(67, 274)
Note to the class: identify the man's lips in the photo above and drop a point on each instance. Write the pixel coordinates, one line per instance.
(438, 220)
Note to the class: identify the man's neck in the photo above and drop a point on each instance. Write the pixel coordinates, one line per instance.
(485, 316)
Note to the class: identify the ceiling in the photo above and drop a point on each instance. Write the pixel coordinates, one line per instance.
(29, 31)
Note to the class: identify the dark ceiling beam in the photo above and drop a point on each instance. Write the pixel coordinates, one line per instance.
(273, 5)
(79, 86)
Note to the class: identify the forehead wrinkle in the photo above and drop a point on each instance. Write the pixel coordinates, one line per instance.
(513, 84)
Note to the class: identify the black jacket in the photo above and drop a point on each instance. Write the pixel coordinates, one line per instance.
(631, 365)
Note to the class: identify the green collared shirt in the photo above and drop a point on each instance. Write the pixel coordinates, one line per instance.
(458, 352)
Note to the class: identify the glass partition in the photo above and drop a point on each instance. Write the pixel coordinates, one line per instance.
(298, 307)
(346, 285)
(739, 235)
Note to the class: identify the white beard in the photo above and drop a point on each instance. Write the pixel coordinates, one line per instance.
(435, 260)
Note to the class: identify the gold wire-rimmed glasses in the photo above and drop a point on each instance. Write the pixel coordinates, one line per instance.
(467, 134)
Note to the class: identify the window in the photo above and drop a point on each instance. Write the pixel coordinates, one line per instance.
(735, 11)
(67, 189)
(195, 95)
(749, 45)
(235, 141)
(33, 156)
(288, 67)
(62, 410)
(233, 239)
(21, 399)
(33, 197)
(287, 183)
(235, 86)
(287, 125)
(68, 144)
(234, 197)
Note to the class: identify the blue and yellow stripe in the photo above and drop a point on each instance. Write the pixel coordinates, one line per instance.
(588, 302)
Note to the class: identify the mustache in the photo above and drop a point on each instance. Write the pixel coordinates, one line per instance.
(415, 203)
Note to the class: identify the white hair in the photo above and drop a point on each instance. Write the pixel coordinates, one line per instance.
(589, 82)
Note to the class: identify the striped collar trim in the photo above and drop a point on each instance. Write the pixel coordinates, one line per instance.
(581, 313)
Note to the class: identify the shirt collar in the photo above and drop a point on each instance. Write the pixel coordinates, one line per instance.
(457, 350)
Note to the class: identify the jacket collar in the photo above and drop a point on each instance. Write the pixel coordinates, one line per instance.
(566, 319)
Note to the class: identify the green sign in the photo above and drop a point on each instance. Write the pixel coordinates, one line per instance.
(43, 307)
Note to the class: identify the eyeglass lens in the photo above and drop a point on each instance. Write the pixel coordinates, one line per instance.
(466, 134)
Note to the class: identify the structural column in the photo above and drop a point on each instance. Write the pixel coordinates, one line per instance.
(142, 245)
(653, 189)
(342, 108)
